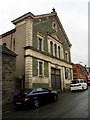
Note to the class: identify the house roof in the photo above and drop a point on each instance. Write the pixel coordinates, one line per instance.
(5, 50)
(32, 16)
(8, 33)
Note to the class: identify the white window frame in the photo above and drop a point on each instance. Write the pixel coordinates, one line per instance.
(42, 68)
(39, 36)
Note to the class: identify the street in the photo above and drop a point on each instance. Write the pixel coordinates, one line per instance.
(69, 105)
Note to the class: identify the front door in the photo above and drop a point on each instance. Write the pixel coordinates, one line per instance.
(55, 78)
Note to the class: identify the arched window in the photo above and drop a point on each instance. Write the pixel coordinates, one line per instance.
(59, 51)
(55, 48)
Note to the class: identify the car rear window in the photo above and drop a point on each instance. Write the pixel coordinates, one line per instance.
(27, 91)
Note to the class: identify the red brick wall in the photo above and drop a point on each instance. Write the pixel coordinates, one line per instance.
(79, 72)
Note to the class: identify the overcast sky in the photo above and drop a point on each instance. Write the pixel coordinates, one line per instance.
(73, 15)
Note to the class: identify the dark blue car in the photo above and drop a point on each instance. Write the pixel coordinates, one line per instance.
(34, 97)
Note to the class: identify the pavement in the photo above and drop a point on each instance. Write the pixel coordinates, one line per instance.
(7, 107)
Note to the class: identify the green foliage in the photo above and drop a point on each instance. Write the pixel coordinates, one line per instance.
(35, 67)
(46, 72)
(44, 85)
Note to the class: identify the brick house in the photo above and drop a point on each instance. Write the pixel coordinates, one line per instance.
(88, 72)
(79, 72)
(44, 51)
(9, 84)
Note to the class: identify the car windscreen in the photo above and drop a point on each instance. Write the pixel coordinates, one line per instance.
(74, 81)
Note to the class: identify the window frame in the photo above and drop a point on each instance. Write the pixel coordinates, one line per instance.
(66, 56)
(55, 49)
(39, 61)
(59, 52)
(42, 43)
(51, 47)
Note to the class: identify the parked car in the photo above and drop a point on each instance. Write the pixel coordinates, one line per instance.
(34, 97)
(78, 84)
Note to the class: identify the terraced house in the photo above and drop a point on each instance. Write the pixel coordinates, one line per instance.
(43, 48)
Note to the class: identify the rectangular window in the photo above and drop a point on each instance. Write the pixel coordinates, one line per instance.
(66, 73)
(40, 44)
(59, 51)
(40, 68)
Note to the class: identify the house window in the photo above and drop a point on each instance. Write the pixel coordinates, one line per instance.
(51, 48)
(40, 68)
(66, 56)
(59, 51)
(54, 25)
(66, 73)
(40, 44)
(14, 44)
(55, 48)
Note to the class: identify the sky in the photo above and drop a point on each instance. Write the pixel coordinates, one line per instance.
(73, 15)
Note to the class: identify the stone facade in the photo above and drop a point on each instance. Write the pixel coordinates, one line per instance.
(43, 48)
(9, 85)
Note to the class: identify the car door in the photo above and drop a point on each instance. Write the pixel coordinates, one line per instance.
(37, 93)
(83, 83)
(46, 94)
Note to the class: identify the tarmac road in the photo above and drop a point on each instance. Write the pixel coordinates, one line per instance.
(69, 105)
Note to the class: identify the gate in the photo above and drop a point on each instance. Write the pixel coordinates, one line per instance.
(55, 78)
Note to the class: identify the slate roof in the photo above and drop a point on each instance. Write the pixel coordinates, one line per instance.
(5, 50)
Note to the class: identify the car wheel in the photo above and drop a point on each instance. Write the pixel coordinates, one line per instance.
(36, 103)
(55, 98)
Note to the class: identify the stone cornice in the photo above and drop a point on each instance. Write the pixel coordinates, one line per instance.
(23, 17)
(54, 38)
(45, 61)
(47, 54)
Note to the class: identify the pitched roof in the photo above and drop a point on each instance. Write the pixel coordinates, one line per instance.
(5, 50)
(8, 33)
(33, 17)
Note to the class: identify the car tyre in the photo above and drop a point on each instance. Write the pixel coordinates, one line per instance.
(36, 103)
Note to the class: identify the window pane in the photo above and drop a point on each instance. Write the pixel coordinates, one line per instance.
(66, 55)
(59, 51)
(40, 44)
(55, 47)
(40, 68)
(45, 90)
(51, 48)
